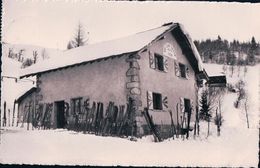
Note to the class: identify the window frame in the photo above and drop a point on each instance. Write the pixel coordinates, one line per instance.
(187, 102)
(159, 62)
(157, 101)
(181, 65)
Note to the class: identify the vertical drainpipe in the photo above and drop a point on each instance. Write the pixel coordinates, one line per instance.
(134, 91)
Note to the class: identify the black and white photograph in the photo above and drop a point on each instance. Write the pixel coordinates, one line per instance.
(122, 83)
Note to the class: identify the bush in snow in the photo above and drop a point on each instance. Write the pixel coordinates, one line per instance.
(231, 88)
(27, 62)
(241, 93)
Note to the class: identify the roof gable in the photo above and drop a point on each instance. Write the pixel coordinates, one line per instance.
(24, 95)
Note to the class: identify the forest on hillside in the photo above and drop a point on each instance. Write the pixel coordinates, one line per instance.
(222, 51)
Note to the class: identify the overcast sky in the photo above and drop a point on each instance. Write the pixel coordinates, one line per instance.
(52, 23)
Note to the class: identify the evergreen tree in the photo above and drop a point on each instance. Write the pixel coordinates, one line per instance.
(79, 38)
(205, 106)
(70, 45)
(252, 51)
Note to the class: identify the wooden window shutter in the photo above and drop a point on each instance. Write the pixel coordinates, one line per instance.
(165, 64)
(151, 60)
(182, 104)
(149, 100)
(176, 68)
(187, 71)
(165, 102)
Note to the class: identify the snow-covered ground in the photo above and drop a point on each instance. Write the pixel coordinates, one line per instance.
(237, 145)
(233, 148)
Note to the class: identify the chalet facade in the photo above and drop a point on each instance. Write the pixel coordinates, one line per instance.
(159, 69)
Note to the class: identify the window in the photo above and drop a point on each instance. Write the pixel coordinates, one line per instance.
(187, 105)
(76, 105)
(157, 101)
(182, 70)
(158, 62)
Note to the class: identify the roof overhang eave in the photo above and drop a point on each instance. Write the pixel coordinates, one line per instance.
(77, 64)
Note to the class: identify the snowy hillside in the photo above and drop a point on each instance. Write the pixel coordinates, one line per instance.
(237, 146)
(250, 76)
(22, 52)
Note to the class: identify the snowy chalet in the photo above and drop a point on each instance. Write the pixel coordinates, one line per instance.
(157, 70)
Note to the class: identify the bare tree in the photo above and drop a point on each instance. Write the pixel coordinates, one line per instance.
(232, 68)
(245, 70)
(80, 38)
(10, 53)
(44, 54)
(224, 68)
(20, 55)
(246, 108)
(218, 120)
(35, 56)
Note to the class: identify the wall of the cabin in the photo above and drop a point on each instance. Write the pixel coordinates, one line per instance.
(101, 81)
(26, 105)
(166, 83)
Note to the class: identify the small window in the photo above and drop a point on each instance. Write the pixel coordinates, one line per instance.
(131, 64)
(187, 105)
(76, 105)
(182, 70)
(159, 62)
(157, 101)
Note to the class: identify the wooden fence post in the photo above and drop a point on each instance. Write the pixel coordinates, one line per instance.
(9, 118)
(4, 117)
(13, 113)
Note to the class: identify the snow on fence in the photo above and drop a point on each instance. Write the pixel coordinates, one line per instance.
(112, 120)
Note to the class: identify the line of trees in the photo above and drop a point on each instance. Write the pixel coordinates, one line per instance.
(232, 53)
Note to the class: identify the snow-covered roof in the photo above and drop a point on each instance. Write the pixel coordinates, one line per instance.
(105, 49)
(213, 69)
(25, 93)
